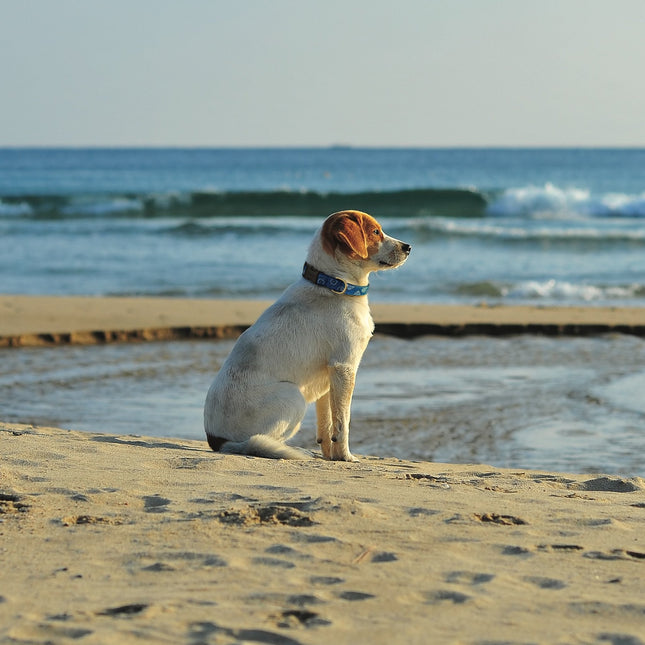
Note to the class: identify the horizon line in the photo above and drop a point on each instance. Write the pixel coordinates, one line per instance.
(332, 146)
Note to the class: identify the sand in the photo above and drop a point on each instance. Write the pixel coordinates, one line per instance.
(43, 320)
(122, 539)
(108, 539)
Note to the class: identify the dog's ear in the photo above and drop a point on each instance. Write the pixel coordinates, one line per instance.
(345, 229)
(351, 234)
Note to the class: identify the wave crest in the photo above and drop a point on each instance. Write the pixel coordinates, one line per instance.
(15, 209)
(550, 200)
(516, 230)
(525, 203)
(551, 290)
(567, 291)
(455, 202)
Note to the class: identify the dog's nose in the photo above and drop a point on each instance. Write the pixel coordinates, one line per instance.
(406, 248)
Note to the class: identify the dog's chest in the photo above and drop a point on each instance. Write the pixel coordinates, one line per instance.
(361, 321)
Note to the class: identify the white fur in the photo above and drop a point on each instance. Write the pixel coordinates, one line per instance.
(304, 348)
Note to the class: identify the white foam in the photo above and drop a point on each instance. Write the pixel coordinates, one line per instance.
(169, 199)
(536, 200)
(626, 392)
(551, 201)
(568, 291)
(15, 209)
(626, 205)
(105, 207)
(518, 229)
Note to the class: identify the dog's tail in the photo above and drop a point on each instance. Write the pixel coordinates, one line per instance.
(260, 445)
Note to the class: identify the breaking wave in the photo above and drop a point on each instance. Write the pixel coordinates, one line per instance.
(550, 200)
(526, 230)
(400, 203)
(551, 290)
(528, 202)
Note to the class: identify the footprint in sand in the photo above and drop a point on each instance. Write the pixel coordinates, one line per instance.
(619, 639)
(79, 497)
(303, 600)
(204, 631)
(496, 518)
(519, 551)
(287, 552)
(607, 610)
(545, 583)
(155, 504)
(300, 617)
(123, 610)
(469, 578)
(277, 489)
(326, 580)
(353, 596)
(274, 562)
(270, 514)
(314, 538)
(76, 520)
(615, 554)
(159, 566)
(189, 463)
(444, 595)
(607, 485)
(419, 511)
(549, 548)
(10, 503)
(182, 558)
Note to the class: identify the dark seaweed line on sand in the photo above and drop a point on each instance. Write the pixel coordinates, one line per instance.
(400, 330)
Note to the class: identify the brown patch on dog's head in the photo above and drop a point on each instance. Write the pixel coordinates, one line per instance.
(356, 234)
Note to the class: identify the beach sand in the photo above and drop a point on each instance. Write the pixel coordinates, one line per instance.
(44, 320)
(125, 539)
(108, 539)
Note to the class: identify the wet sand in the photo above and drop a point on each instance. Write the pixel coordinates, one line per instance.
(38, 320)
(571, 404)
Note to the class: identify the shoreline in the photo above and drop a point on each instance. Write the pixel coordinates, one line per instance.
(136, 539)
(57, 320)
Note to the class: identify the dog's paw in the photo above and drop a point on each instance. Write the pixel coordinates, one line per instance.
(346, 456)
(326, 451)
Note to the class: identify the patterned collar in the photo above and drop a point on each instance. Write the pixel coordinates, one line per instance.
(333, 284)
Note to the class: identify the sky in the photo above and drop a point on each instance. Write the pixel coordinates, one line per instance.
(319, 73)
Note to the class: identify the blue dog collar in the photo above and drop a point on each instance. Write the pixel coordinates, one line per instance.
(333, 284)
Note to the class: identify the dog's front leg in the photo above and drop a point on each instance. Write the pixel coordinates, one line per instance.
(324, 425)
(341, 382)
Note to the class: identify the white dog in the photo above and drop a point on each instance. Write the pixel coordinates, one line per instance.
(306, 347)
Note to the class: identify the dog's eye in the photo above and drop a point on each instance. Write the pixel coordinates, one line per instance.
(377, 232)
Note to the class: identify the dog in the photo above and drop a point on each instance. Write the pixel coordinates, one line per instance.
(304, 348)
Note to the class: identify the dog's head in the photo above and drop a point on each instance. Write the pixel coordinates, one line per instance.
(360, 238)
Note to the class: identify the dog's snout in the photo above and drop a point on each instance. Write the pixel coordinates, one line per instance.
(406, 248)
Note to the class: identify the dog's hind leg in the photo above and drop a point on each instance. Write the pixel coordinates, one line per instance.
(261, 422)
(281, 411)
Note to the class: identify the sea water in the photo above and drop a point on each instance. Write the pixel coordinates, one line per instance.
(567, 404)
(508, 226)
(501, 226)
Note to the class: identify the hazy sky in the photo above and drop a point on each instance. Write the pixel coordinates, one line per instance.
(304, 72)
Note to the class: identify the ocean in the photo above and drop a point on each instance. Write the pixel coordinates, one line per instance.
(507, 226)
(502, 226)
